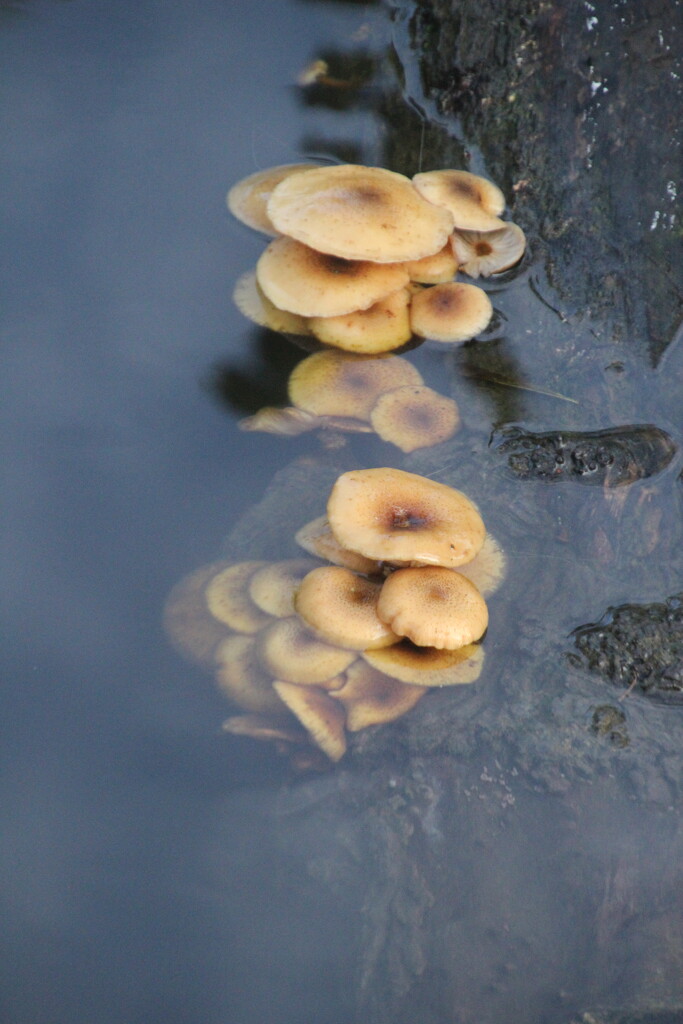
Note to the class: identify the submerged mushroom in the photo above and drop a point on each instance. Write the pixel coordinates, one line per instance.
(414, 417)
(343, 384)
(227, 598)
(241, 677)
(372, 698)
(317, 538)
(322, 717)
(288, 650)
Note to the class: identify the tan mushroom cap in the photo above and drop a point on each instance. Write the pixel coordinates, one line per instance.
(248, 199)
(191, 628)
(404, 519)
(359, 213)
(382, 327)
(473, 202)
(288, 650)
(414, 417)
(482, 253)
(249, 298)
(487, 568)
(264, 727)
(322, 717)
(288, 422)
(340, 607)
(272, 588)
(227, 598)
(428, 666)
(433, 607)
(241, 678)
(372, 698)
(311, 283)
(342, 384)
(450, 312)
(436, 269)
(317, 538)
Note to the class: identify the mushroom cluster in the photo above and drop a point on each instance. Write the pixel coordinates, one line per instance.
(392, 604)
(364, 258)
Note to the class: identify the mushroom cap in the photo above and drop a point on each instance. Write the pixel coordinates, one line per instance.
(288, 422)
(450, 312)
(249, 298)
(487, 568)
(311, 283)
(288, 650)
(436, 269)
(241, 678)
(190, 627)
(317, 538)
(272, 588)
(482, 253)
(428, 666)
(414, 417)
(381, 327)
(340, 607)
(359, 213)
(433, 607)
(227, 598)
(264, 727)
(322, 717)
(342, 384)
(372, 698)
(403, 518)
(248, 199)
(473, 202)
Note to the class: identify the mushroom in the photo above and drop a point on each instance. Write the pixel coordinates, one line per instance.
(403, 518)
(381, 327)
(414, 417)
(288, 422)
(289, 651)
(311, 283)
(340, 607)
(249, 298)
(191, 628)
(433, 607)
(317, 538)
(450, 312)
(372, 698)
(272, 588)
(428, 666)
(241, 678)
(321, 716)
(264, 727)
(227, 598)
(359, 213)
(473, 202)
(436, 269)
(248, 199)
(487, 568)
(488, 252)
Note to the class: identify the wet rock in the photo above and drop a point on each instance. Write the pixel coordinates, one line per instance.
(611, 458)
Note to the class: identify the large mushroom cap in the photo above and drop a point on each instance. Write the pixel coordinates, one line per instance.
(404, 519)
(433, 607)
(450, 312)
(311, 283)
(473, 202)
(414, 417)
(428, 666)
(381, 327)
(341, 607)
(342, 384)
(248, 199)
(482, 253)
(317, 538)
(359, 213)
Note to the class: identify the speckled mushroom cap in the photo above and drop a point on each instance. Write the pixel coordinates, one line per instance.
(404, 519)
(372, 698)
(248, 199)
(322, 717)
(414, 417)
(482, 253)
(433, 607)
(252, 303)
(288, 650)
(359, 213)
(342, 384)
(311, 283)
(473, 202)
(382, 327)
(450, 312)
(341, 607)
(428, 666)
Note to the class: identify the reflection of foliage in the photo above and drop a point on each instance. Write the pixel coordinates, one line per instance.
(337, 80)
(262, 383)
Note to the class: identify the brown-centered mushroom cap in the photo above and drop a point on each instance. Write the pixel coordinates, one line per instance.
(342, 384)
(382, 327)
(248, 199)
(321, 716)
(191, 628)
(428, 666)
(450, 312)
(436, 269)
(372, 698)
(404, 519)
(252, 303)
(414, 417)
(359, 213)
(240, 676)
(288, 650)
(473, 202)
(487, 568)
(272, 588)
(227, 598)
(340, 607)
(482, 253)
(433, 607)
(317, 538)
(311, 283)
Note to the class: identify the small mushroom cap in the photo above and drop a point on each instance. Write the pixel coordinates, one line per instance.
(487, 568)
(291, 652)
(272, 588)
(317, 538)
(372, 698)
(249, 298)
(227, 598)
(433, 607)
(264, 727)
(340, 607)
(403, 518)
(450, 312)
(482, 253)
(414, 417)
(473, 202)
(288, 422)
(191, 628)
(436, 269)
(241, 678)
(359, 213)
(322, 717)
(342, 384)
(311, 283)
(248, 199)
(428, 666)
(382, 327)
